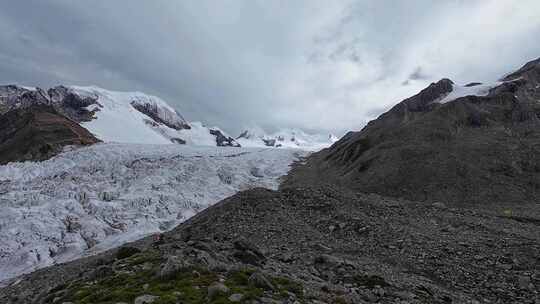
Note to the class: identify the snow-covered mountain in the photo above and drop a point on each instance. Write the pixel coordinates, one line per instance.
(94, 198)
(286, 138)
(122, 117)
(153, 170)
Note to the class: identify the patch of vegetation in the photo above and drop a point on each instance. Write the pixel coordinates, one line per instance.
(339, 300)
(189, 286)
(284, 284)
(148, 256)
(126, 252)
(239, 277)
(237, 281)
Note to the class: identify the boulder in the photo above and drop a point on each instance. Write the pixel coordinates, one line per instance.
(259, 280)
(172, 266)
(217, 289)
(145, 299)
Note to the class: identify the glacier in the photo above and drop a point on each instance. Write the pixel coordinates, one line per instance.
(90, 199)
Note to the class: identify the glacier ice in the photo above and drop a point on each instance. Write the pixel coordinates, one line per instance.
(91, 199)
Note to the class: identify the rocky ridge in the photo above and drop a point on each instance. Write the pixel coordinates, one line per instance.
(38, 132)
(465, 151)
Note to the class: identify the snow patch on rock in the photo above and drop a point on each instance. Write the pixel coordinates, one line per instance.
(459, 91)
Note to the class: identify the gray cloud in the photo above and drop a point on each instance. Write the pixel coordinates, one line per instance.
(320, 65)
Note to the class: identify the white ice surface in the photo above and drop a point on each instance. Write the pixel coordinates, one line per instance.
(110, 194)
(118, 121)
(198, 135)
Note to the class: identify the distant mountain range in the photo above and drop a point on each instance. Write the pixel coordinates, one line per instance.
(288, 138)
(110, 116)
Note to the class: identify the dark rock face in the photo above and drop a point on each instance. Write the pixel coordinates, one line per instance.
(473, 84)
(38, 132)
(269, 142)
(152, 111)
(72, 105)
(244, 134)
(60, 98)
(471, 150)
(17, 97)
(222, 140)
(176, 140)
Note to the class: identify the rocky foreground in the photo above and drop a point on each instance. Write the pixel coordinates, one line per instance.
(311, 245)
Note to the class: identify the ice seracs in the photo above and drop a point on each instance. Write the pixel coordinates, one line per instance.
(94, 198)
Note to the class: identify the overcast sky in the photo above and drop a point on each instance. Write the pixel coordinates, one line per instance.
(318, 65)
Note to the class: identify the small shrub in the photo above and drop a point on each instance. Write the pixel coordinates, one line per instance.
(370, 281)
(126, 252)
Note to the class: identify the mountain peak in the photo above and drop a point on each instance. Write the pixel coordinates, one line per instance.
(112, 116)
(532, 66)
(447, 143)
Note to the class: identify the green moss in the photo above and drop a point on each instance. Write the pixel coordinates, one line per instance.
(239, 277)
(339, 300)
(189, 286)
(284, 284)
(126, 252)
(150, 256)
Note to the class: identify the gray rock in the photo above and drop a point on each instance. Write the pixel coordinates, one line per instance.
(248, 253)
(257, 279)
(524, 282)
(101, 272)
(439, 205)
(172, 266)
(266, 300)
(329, 260)
(236, 297)
(217, 289)
(145, 299)
(222, 140)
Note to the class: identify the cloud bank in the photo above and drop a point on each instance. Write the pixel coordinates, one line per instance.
(313, 64)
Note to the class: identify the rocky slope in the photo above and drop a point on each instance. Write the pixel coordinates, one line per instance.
(38, 132)
(474, 144)
(310, 245)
